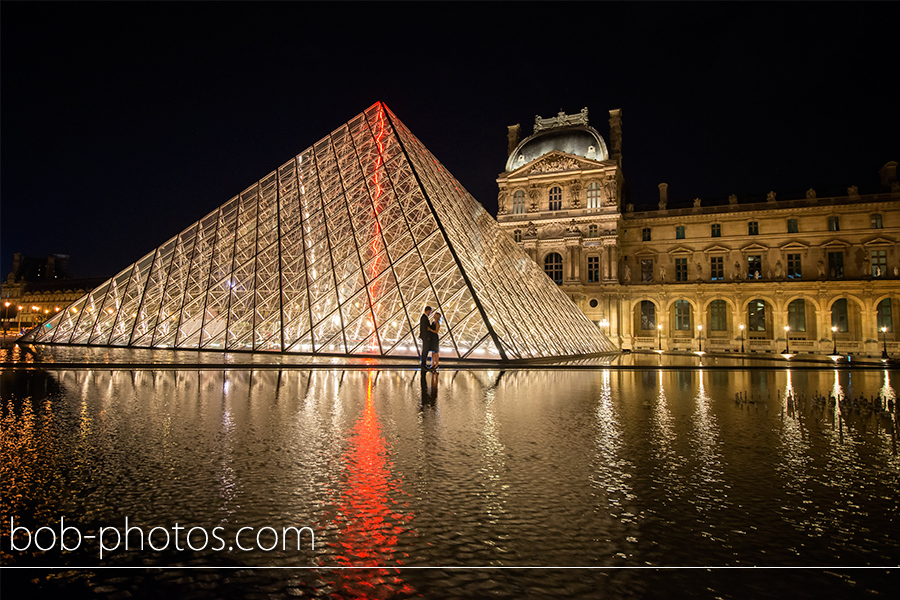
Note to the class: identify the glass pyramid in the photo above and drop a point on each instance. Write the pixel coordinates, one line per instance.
(337, 252)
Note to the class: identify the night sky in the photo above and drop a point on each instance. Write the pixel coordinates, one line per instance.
(122, 123)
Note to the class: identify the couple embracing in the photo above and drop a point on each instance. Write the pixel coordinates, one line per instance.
(429, 333)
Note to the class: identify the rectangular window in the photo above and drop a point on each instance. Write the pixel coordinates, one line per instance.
(793, 266)
(648, 315)
(836, 265)
(876, 222)
(715, 230)
(681, 272)
(792, 226)
(679, 232)
(646, 269)
(797, 316)
(717, 316)
(754, 266)
(879, 263)
(645, 234)
(833, 224)
(593, 269)
(753, 228)
(682, 315)
(717, 268)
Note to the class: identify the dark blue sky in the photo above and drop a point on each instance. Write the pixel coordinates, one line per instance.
(116, 137)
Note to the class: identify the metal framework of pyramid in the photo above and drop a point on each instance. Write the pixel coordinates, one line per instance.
(337, 252)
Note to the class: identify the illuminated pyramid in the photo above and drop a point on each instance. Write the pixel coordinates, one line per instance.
(337, 252)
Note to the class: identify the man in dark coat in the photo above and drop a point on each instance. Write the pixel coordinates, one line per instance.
(425, 333)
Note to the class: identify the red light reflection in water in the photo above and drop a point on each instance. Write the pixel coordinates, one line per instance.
(368, 525)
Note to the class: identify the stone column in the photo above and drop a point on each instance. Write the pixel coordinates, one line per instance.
(614, 263)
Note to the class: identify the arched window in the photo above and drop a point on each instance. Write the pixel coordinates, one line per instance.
(553, 267)
(756, 315)
(517, 235)
(797, 315)
(593, 195)
(839, 316)
(555, 198)
(648, 315)
(682, 315)
(519, 203)
(884, 315)
(592, 231)
(718, 312)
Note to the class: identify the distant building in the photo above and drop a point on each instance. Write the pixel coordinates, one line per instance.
(720, 277)
(38, 288)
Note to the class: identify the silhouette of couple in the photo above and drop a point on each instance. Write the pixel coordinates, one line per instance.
(429, 333)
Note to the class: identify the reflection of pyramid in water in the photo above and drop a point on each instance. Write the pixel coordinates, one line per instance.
(337, 252)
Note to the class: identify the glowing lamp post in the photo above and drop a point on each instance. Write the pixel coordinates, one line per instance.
(700, 337)
(833, 340)
(884, 353)
(742, 337)
(659, 337)
(787, 341)
(5, 317)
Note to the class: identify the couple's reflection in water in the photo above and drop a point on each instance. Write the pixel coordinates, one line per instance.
(429, 381)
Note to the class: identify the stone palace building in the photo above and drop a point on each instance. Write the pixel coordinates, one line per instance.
(785, 275)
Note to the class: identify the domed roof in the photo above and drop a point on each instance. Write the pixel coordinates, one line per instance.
(580, 140)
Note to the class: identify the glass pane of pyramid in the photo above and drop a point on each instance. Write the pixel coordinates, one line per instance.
(337, 251)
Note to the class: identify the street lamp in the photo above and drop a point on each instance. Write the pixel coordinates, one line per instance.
(742, 337)
(700, 337)
(834, 340)
(659, 337)
(5, 318)
(884, 353)
(787, 340)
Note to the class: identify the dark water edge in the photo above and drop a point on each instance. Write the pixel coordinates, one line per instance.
(271, 584)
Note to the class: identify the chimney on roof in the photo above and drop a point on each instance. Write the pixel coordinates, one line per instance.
(615, 134)
(888, 173)
(512, 137)
(663, 195)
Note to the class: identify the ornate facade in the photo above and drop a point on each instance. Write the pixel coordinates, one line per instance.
(810, 275)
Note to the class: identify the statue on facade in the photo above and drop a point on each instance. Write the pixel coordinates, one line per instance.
(531, 229)
(821, 266)
(662, 273)
(736, 271)
(573, 227)
(501, 203)
(770, 197)
(629, 207)
(732, 199)
(696, 202)
(866, 266)
(626, 274)
(662, 204)
(699, 271)
(810, 194)
(853, 191)
(779, 270)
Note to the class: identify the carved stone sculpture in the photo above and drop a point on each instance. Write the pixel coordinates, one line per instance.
(810, 194)
(662, 273)
(853, 191)
(696, 202)
(531, 229)
(770, 197)
(821, 266)
(779, 270)
(732, 199)
(626, 276)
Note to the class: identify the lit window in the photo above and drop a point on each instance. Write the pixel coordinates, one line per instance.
(517, 235)
(884, 315)
(756, 315)
(553, 267)
(797, 315)
(647, 269)
(555, 198)
(793, 266)
(682, 315)
(718, 316)
(754, 266)
(593, 195)
(716, 230)
(648, 315)
(679, 232)
(645, 234)
(836, 265)
(833, 224)
(876, 222)
(753, 228)
(793, 227)
(681, 272)
(519, 203)
(879, 263)
(593, 269)
(717, 268)
(839, 315)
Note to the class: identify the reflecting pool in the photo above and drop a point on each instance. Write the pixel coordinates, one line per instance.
(466, 470)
